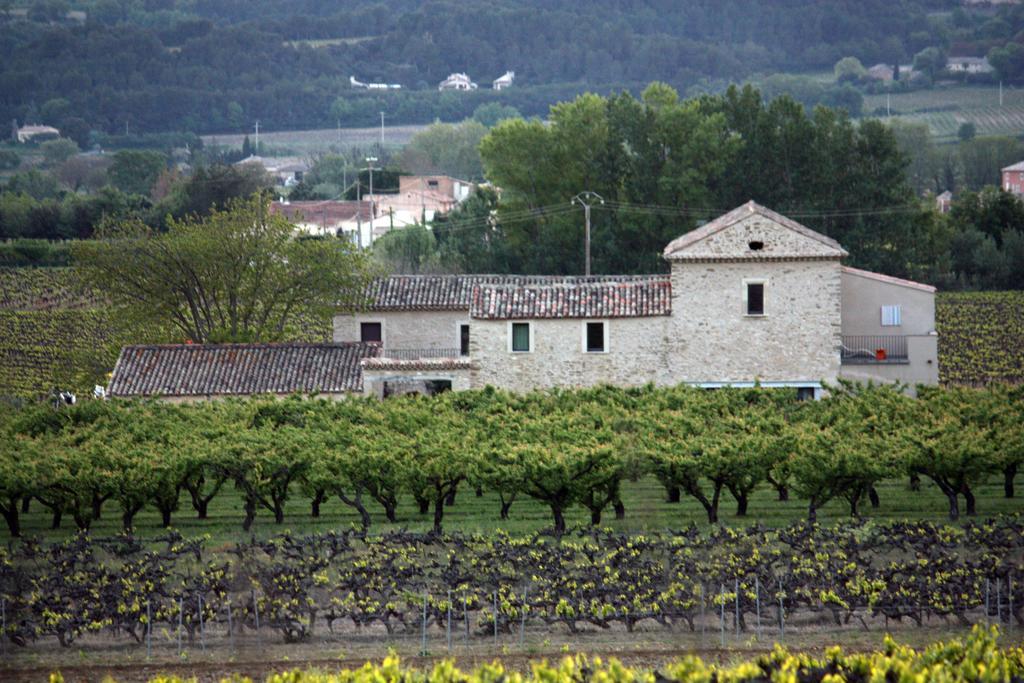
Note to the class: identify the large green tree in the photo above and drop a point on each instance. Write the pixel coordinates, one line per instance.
(235, 275)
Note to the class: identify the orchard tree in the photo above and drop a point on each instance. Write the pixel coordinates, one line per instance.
(236, 275)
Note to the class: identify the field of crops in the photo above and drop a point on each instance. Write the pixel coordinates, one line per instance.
(945, 109)
(305, 142)
(981, 337)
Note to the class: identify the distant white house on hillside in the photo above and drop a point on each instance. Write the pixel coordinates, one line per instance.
(882, 72)
(35, 133)
(457, 81)
(968, 65)
(504, 81)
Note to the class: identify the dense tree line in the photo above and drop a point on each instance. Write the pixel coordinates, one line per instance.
(204, 67)
(561, 448)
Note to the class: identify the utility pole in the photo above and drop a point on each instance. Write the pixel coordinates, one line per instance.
(382, 132)
(369, 161)
(257, 138)
(586, 199)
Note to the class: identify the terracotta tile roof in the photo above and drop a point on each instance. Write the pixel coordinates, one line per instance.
(428, 364)
(632, 298)
(889, 279)
(735, 216)
(328, 212)
(455, 292)
(239, 369)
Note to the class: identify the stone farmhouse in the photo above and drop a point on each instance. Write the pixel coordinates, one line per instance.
(752, 297)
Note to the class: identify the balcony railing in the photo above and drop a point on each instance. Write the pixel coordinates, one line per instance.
(874, 349)
(420, 354)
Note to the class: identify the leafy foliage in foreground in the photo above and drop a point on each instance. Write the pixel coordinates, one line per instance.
(485, 583)
(977, 658)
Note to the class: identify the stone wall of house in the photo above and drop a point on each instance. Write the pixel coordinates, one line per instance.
(776, 241)
(713, 340)
(406, 329)
(637, 354)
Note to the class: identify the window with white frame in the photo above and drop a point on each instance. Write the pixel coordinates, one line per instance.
(892, 316)
(754, 297)
(520, 337)
(595, 336)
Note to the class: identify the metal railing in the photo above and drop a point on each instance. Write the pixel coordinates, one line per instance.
(873, 349)
(420, 354)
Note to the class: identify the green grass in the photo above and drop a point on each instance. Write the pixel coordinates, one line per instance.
(646, 510)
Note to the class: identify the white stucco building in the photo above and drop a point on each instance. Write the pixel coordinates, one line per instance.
(751, 297)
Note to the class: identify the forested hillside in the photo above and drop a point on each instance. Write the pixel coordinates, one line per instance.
(217, 66)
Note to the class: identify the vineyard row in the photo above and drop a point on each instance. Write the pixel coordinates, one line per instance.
(748, 580)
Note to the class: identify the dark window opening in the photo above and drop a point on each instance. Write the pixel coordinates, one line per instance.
(422, 387)
(371, 332)
(755, 299)
(432, 184)
(805, 393)
(464, 340)
(756, 246)
(595, 338)
(521, 337)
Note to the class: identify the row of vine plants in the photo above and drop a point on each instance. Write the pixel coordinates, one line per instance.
(979, 657)
(400, 582)
(561, 448)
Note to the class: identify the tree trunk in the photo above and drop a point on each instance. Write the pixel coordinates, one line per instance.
(741, 497)
(424, 505)
(27, 500)
(388, 502)
(1008, 475)
(812, 511)
(58, 513)
(318, 497)
(620, 509)
(479, 491)
(969, 499)
(595, 517)
(556, 512)
(81, 521)
(357, 502)
(165, 516)
(97, 505)
(128, 517)
(672, 494)
(954, 507)
(450, 499)
(781, 487)
(854, 500)
(10, 513)
(715, 497)
(915, 481)
(250, 513)
(506, 504)
(278, 511)
(439, 503)
(873, 496)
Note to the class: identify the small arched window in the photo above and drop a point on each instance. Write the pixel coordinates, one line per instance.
(756, 245)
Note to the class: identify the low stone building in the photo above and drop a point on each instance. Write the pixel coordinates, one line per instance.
(195, 372)
(752, 297)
